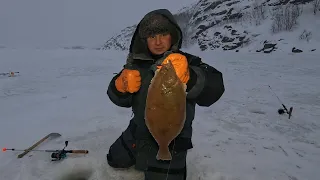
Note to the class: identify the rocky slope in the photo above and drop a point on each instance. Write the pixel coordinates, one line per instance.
(250, 25)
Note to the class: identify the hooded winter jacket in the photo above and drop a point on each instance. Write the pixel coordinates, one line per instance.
(204, 88)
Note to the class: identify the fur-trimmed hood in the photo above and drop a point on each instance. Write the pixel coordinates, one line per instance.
(138, 47)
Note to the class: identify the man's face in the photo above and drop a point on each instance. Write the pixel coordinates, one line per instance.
(159, 43)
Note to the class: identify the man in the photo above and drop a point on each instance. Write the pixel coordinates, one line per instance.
(156, 34)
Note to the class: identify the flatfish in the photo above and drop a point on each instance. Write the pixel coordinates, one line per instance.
(165, 110)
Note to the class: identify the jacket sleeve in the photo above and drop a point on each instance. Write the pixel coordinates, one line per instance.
(118, 98)
(206, 84)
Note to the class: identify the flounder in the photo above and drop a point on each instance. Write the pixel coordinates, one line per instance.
(165, 111)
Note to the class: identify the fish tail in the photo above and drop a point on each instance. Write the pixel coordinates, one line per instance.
(164, 153)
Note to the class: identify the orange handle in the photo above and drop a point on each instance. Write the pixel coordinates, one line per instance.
(80, 151)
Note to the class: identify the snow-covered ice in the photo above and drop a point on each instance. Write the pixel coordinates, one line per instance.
(241, 137)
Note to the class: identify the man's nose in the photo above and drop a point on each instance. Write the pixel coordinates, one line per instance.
(158, 40)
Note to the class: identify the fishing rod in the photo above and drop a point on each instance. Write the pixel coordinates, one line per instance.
(55, 154)
(9, 73)
(284, 109)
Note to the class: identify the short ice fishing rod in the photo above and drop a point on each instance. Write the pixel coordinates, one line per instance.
(284, 109)
(11, 73)
(56, 154)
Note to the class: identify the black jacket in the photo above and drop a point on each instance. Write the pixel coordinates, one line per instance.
(204, 88)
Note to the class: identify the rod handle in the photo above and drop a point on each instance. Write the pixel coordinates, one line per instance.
(80, 151)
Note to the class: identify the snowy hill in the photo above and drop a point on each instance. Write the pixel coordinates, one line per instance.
(247, 25)
(121, 41)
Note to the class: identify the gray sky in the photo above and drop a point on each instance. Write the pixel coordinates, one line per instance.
(58, 23)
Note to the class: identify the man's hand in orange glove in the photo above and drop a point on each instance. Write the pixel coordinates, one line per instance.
(180, 65)
(128, 81)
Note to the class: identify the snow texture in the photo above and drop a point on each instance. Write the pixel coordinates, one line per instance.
(241, 137)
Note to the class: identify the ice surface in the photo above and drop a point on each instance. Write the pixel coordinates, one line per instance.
(241, 137)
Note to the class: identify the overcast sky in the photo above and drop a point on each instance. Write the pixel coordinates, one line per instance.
(58, 23)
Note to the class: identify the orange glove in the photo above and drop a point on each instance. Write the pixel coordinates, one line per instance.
(128, 81)
(180, 65)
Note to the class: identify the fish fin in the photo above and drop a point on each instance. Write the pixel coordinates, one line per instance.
(185, 87)
(164, 153)
(155, 73)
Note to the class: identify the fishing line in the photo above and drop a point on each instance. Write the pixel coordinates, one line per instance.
(174, 143)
